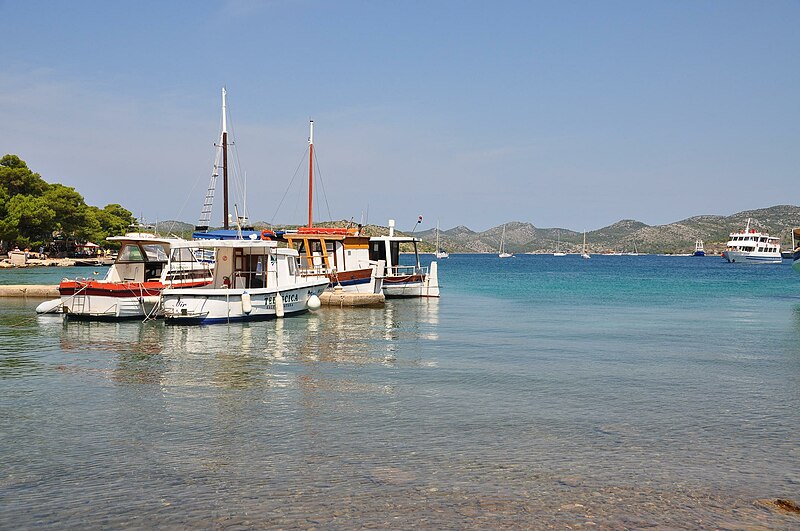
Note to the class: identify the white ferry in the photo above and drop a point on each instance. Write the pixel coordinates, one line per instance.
(753, 247)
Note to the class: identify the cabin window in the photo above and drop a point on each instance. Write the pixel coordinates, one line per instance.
(291, 261)
(377, 251)
(130, 253)
(155, 253)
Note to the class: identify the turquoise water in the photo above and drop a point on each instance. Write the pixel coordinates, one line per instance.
(624, 392)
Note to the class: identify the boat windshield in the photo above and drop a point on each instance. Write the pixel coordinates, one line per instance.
(155, 253)
(130, 252)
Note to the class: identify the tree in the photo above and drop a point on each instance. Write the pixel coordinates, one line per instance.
(28, 221)
(113, 220)
(16, 178)
(73, 216)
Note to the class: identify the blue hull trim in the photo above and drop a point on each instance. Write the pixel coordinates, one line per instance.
(355, 282)
(221, 320)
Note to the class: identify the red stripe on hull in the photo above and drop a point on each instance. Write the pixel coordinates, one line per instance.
(403, 280)
(348, 276)
(128, 289)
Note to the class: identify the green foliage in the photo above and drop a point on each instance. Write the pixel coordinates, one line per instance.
(28, 220)
(16, 178)
(31, 210)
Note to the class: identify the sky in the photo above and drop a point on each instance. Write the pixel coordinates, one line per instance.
(572, 114)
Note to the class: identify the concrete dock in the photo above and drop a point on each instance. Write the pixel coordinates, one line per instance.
(29, 290)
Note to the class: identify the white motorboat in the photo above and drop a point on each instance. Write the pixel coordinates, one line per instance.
(752, 247)
(699, 250)
(412, 280)
(253, 280)
(144, 267)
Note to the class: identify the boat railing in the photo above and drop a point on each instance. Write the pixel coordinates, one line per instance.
(407, 270)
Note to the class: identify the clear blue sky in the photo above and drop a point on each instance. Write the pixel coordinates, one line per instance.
(570, 114)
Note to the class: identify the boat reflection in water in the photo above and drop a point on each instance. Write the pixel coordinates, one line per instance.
(294, 353)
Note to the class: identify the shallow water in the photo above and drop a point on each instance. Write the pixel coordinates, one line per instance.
(537, 392)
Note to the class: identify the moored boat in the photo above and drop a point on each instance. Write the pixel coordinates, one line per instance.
(752, 247)
(503, 253)
(698, 248)
(253, 280)
(132, 286)
(441, 254)
(339, 253)
(412, 280)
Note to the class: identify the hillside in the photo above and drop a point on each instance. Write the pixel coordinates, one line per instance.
(625, 235)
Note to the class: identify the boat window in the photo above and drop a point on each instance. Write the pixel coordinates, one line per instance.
(394, 247)
(330, 246)
(182, 254)
(130, 253)
(292, 263)
(377, 251)
(155, 253)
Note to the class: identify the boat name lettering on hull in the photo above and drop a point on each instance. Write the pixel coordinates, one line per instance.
(287, 298)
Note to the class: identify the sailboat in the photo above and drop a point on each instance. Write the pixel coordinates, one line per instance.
(558, 246)
(585, 255)
(503, 253)
(340, 253)
(440, 253)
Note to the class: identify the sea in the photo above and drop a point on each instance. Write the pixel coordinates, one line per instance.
(538, 392)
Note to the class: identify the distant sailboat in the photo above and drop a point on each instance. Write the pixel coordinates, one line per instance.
(440, 253)
(503, 253)
(585, 255)
(558, 246)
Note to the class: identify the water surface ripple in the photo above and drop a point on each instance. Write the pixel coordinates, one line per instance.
(623, 392)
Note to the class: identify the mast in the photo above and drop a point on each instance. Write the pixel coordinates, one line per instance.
(225, 158)
(310, 170)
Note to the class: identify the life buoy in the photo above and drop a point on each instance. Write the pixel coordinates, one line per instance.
(267, 234)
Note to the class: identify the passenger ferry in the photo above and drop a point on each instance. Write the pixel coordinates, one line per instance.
(753, 247)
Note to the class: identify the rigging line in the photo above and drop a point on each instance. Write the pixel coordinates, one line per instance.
(296, 171)
(322, 185)
(238, 176)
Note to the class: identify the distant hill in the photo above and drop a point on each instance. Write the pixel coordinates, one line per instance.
(623, 236)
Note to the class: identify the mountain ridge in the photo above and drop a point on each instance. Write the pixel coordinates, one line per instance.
(625, 235)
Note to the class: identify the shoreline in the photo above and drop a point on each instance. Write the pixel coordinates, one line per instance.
(7, 263)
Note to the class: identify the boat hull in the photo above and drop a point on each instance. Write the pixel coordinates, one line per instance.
(97, 300)
(742, 257)
(699, 253)
(354, 281)
(417, 285)
(209, 306)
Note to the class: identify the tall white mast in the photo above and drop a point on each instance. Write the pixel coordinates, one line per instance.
(310, 171)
